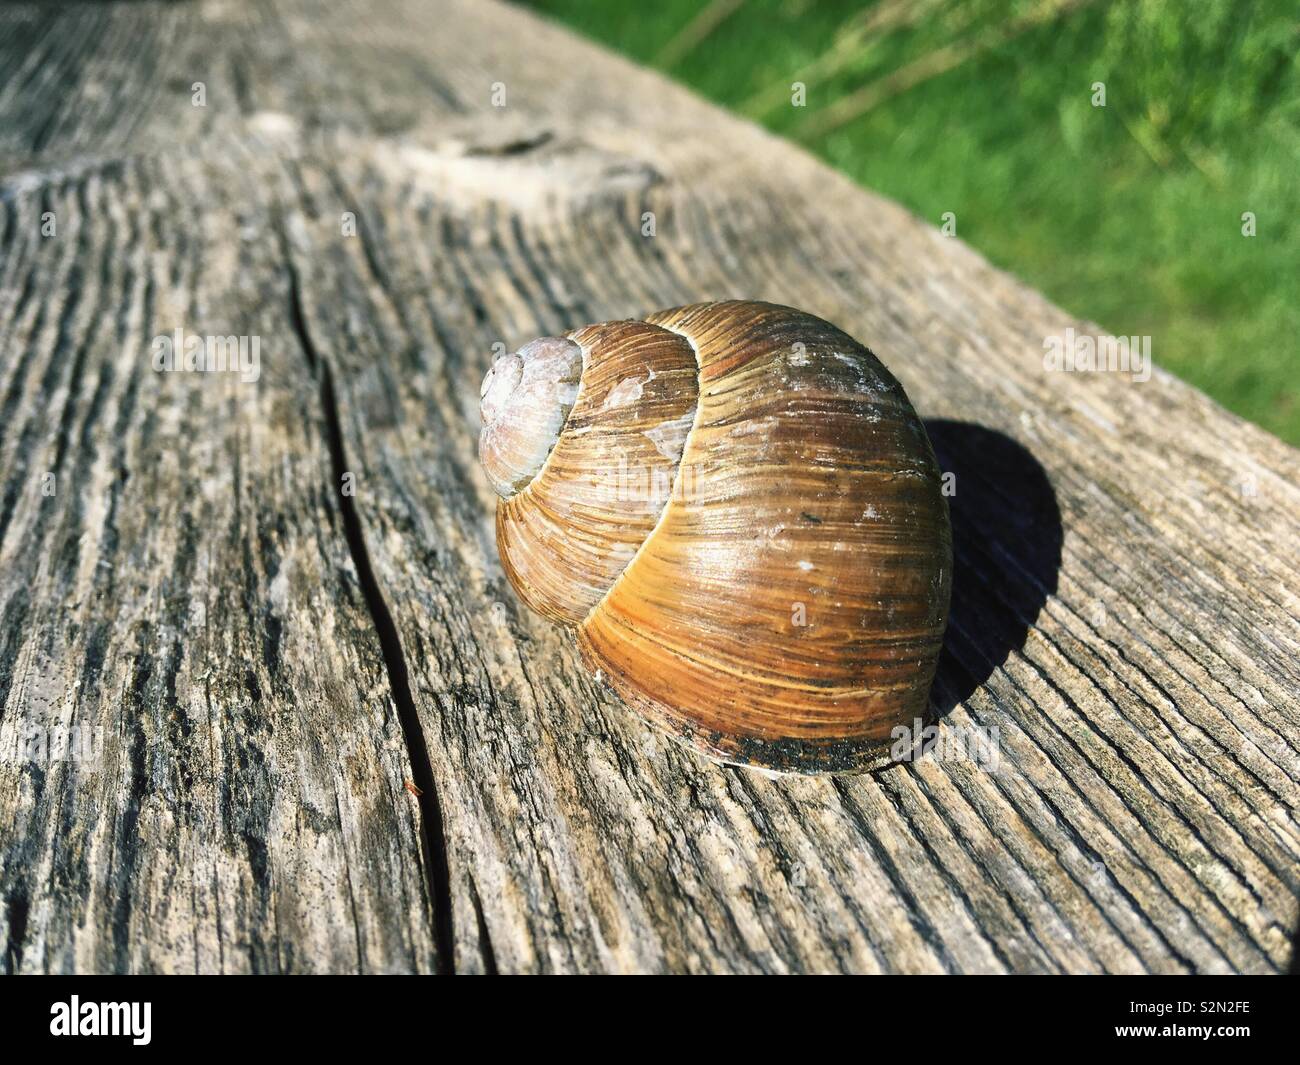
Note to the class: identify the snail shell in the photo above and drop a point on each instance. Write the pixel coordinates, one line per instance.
(738, 511)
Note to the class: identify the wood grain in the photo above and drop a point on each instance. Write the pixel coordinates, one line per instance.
(271, 660)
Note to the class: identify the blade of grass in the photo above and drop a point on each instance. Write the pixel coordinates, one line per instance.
(693, 34)
(930, 65)
(851, 45)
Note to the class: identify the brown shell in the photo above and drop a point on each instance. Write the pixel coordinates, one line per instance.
(785, 607)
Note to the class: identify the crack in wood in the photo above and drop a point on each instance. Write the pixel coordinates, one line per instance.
(432, 830)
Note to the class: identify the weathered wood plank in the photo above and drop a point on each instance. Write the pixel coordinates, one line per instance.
(1125, 613)
(176, 583)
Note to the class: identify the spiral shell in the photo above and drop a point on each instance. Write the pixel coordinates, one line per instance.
(739, 513)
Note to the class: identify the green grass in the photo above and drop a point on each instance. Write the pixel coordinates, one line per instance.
(1128, 214)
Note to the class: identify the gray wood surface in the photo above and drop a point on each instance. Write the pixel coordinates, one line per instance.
(269, 669)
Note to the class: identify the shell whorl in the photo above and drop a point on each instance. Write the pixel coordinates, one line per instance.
(524, 402)
(566, 536)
